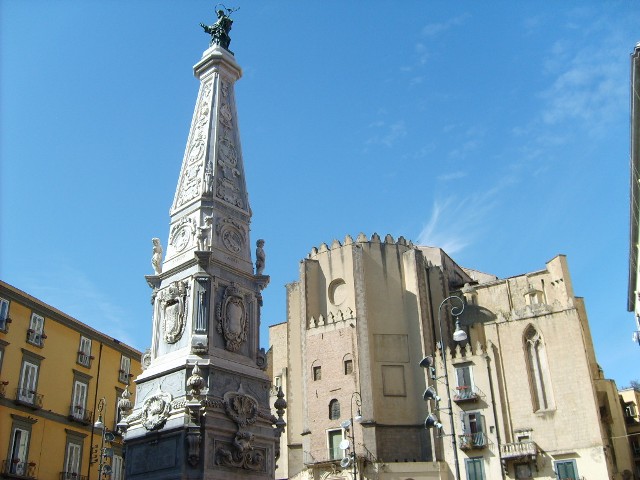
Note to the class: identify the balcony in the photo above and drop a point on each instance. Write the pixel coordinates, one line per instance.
(77, 413)
(84, 359)
(518, 451)
(14, 468)
(331, 455)
(29, 398)
(72, 476)
(472, 441)
(35, 338)
(467, 393)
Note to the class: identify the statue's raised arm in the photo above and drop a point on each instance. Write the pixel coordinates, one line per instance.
(219, 31)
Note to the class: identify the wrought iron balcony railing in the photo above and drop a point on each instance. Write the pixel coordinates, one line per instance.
(467, 393)
(16, 468)
(36, 338)
(472, 441)
(72, 476)
(332, 455)
(80, 414)
(84, 359)
(30, 398)
(518, 450)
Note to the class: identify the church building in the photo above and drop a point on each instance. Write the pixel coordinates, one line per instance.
(397, 363)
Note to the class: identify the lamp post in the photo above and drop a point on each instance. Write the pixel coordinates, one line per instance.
(105, 436)
(358, 418)
(459, 335)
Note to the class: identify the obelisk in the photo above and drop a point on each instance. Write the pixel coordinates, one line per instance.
(201, 405)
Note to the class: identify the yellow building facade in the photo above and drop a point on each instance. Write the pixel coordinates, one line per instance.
(57, 377)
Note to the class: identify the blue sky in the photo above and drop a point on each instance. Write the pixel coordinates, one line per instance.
(498, 131)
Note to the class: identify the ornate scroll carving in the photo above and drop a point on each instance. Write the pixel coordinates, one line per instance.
(191, 178)
(232, 318)
(227, 157)
(173, 308)
(241, 408)
(241, 454)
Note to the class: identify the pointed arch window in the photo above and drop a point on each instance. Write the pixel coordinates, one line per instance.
(334, 409)
(538, 370)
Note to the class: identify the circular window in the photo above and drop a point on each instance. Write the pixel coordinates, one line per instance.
(337, 291)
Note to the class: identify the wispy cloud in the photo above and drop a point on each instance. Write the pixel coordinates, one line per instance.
(433, 29)
(447, 177)
(588, 83)
(386, 134)
(72, 292)
(456, 222)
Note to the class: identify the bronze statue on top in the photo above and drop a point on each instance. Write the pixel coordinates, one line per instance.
(219, 31)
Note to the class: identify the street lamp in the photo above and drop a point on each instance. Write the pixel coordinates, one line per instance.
(358, 418)
(349, 425)
(106, 437)
(459, 335)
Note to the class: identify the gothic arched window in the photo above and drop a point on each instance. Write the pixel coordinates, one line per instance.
(334, 409)
(538, 370)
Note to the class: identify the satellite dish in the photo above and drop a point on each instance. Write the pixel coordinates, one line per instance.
(346, 424)
(344, 444)
(345, 462)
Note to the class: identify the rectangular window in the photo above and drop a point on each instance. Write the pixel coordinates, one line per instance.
(72, 462)
(117, 468)
(566, 470)
(84, 352)
(317, 373)
(4, 314)
(475, 468)
(473, 431)
(35, 334)
(125, 367)
(79, 402)
(348, 367)
(28, 381)
(334, 438)
(464, 377)
(19, 451)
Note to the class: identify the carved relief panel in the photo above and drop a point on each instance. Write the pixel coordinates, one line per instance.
(172, 310)
(233, 321)
(193, 178)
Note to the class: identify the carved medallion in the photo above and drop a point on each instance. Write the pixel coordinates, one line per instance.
(156, 410)
(173, 307)
(232, 234)
(232, 319)
(182, 233)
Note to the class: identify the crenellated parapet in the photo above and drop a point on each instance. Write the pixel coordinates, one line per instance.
(360, 239)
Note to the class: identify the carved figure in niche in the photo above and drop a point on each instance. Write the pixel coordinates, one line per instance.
(232, 319)
(260, 257)
(156, 256)
(203, 234)
(208, 179)
(173, 310)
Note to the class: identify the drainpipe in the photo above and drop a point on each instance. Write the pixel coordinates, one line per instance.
(93, 415)
(493, 407)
